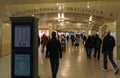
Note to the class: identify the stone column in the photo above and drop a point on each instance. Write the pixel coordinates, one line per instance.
(6, 39)
(118, 38)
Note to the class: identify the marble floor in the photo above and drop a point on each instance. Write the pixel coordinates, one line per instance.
(74, 64)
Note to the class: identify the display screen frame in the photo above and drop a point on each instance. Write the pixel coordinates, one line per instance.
(22, 24)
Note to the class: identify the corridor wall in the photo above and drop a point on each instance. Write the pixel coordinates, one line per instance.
(0, 39)
(6, 39)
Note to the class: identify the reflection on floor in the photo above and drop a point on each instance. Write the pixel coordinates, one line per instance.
(74, 64)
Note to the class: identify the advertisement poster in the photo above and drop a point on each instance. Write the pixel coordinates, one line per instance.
(22, 65)
(22, 36)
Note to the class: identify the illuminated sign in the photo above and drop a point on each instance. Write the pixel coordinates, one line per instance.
(22, 36)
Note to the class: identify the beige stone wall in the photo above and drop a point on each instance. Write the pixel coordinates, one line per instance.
(0, 39)
(118, 37)
(6, 39)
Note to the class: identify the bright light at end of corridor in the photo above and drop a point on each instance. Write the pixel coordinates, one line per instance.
(90, 18)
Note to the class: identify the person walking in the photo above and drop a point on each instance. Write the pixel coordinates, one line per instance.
(77, 39)
(67, 38)
(38, 41)
(84, 39)
(89, 46)
(107, 50)
(54, 52)
(97, 45)
(44, 40)
(72, 39)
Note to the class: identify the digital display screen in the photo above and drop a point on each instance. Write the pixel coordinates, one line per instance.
(22, 65)
(22, 36)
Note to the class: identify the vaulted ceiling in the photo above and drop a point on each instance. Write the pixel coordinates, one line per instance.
(76, 12)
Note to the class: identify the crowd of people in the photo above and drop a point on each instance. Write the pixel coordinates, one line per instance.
(91, 43)
(106, 46)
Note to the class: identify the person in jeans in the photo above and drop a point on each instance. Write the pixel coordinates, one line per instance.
(107, 50)
(54, 52)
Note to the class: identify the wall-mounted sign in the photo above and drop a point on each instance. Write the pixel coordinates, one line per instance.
(52, 9)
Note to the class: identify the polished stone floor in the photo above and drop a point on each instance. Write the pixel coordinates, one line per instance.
(74, 64)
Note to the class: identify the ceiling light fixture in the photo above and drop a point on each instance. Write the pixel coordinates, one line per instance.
(90, 18)
(32, 15)
(88, 5)
(62, 16)
(57, 3)
(58, 15)
(61, 13)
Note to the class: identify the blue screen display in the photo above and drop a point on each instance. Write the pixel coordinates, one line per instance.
(22, 65)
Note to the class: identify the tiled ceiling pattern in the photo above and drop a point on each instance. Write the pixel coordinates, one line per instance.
(102, 11)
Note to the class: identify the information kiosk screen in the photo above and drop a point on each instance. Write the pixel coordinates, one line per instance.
(22, 36)
(22, 65)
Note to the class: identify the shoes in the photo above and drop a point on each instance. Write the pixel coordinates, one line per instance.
(116, 71)
(105, 70)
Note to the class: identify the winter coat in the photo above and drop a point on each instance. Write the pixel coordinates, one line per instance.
(53, 48)
(97, 42)
(89, 43)
(108, 43)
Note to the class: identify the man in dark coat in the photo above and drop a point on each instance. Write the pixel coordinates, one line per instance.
(107, 50)
(54, 51)
(89, 46)
(97, 46)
